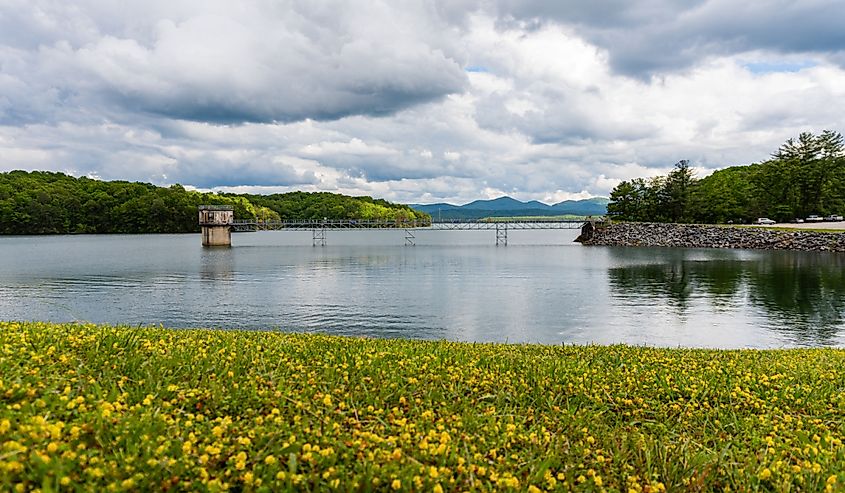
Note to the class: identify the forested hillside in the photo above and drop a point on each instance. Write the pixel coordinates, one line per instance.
(317, 205)
(45, 203)
(805, 176)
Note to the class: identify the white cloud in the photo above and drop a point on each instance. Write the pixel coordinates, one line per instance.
(246, 62)
(415, 101)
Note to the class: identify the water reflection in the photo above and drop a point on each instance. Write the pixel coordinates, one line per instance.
(217, 264)
(800, 293)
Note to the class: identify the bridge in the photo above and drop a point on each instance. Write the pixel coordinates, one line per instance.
(224, 222)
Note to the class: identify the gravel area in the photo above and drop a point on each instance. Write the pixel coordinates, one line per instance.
(838, 225)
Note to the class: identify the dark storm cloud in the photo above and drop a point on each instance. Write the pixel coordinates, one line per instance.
(258, 62)
(334, 104)
(651, 37)
(596, 14)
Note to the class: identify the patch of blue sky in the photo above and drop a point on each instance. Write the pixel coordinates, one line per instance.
(476, 68)
(768, 67)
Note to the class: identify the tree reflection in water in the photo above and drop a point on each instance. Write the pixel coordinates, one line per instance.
(802, 294)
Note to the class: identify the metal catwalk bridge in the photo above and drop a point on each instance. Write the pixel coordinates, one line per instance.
(501, 227)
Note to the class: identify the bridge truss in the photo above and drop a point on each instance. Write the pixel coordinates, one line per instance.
(501, 227)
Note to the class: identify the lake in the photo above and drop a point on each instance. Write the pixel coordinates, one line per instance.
(454, 285)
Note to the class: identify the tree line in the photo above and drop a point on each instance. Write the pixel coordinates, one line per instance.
(805, 176)
(42, 202)
(318, 205)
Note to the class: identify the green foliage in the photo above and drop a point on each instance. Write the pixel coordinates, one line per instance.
(805, 176)
(42, 202)
(639, 200)
(317, 205)
(726, 195)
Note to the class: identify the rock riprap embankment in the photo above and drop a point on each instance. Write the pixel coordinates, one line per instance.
(704, 236)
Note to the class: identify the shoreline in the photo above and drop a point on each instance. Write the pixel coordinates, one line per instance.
(714, 236)
(97, 407)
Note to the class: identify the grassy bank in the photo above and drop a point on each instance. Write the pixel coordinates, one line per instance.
(93, 407)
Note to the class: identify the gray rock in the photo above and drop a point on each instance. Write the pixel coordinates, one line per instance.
(707, 236)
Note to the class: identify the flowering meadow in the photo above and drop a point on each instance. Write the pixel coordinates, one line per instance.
(100, 408)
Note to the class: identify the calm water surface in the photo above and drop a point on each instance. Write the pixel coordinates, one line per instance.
(452, 285)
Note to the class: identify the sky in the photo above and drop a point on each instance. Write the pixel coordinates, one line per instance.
(413, 101)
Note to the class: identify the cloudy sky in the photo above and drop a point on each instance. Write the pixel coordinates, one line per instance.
(413, 101)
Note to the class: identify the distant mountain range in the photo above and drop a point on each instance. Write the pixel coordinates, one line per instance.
(507, 207)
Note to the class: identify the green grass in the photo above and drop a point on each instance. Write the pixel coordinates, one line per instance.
(85, 407)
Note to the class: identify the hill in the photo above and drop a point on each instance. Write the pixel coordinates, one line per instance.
(43, 202)
(508, 207)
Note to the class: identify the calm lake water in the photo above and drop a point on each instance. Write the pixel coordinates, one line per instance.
(452, 285)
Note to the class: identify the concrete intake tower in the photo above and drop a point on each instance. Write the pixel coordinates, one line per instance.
(216, 223)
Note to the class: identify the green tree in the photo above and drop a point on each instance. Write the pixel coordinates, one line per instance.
(677, 190)
(809, 162)
(806, 175)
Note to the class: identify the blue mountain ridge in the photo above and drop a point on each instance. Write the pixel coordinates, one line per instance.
(507, 206)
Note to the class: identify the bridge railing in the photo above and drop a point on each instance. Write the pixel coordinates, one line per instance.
(332, 224)
(359, 223)
(458, 224)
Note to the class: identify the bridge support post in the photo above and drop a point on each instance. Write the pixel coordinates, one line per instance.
(502, 234)
(410, 239)
(318, 236)
(216, 224)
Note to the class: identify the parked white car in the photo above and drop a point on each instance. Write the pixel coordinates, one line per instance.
(812, 218)
(833, 217)
(763, 220)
